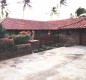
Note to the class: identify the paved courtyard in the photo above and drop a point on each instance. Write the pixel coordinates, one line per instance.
(64, 63)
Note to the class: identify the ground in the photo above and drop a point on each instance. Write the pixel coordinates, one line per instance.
(64, 63)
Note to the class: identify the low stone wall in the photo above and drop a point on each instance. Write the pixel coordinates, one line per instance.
(47, 40)
(20, 50)
(9, 55)
(67, 40)
(34, 44)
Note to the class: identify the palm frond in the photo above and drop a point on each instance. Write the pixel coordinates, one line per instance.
(7, 14)
(3, 1)
(63, 2)
(26, 2)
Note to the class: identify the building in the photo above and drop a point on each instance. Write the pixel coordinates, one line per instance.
(49, 31)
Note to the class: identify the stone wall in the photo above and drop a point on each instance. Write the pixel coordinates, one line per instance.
(8, 55)
(70, 38)
(75, 36)
(83, 37)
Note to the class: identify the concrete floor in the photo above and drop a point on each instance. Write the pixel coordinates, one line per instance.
(65, 63)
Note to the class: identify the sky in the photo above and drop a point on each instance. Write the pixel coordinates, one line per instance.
(41, 9)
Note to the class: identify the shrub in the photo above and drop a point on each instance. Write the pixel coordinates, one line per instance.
(66, 40)
(70, 42)
(23, 47)
(22, 38)
(6, 45)
(2, 31)
(28, 33)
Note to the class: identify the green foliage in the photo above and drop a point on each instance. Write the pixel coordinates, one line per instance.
(6, 45)
(2, 31)
(63, 2)
(23, 47)
(21, 39)
(80, 11)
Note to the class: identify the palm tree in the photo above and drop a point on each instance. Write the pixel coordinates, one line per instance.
(62, 2)
(7, 14)
(3, 6)
(80, 11)
(71, 15)
(56, 10)
(2, 31)
(25, 3)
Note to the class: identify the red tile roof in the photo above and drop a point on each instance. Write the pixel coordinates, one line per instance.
(71, 23)
(81, 23)
(20, 24)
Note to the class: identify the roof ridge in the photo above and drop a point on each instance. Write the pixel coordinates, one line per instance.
(25, 19)
(73, 23)
(9, 23)
(70, 23)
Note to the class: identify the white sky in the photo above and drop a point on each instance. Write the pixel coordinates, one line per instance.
(41, 9)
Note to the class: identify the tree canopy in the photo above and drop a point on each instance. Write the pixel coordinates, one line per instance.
(80, 11)
(3, 5)
(56, 9)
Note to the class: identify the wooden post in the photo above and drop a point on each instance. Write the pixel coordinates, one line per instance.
(33, 34)
(58, 36)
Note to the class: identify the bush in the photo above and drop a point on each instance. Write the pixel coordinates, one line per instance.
(23, 47)
(2, 31)
(22, 38)
(28, 33)
(70, 42)
(6, 45)
(66, 40)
